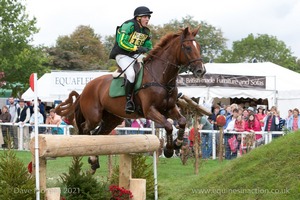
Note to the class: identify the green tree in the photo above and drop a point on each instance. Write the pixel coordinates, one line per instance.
(29, 60)
(209, 37)
(262, 48)
(82, 50)
(18, 59)
(15, 181)
(80, 185)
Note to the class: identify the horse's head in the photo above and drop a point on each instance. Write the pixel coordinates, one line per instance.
(190, 56)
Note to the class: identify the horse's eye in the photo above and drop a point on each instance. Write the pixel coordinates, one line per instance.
(188, 48)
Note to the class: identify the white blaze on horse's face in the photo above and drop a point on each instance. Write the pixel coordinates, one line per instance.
(195, 44)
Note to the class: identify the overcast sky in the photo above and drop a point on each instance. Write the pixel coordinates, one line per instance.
(236, 18)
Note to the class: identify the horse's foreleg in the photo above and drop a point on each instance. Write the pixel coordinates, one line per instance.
(175, 114)
(94, 162)
(156, 116)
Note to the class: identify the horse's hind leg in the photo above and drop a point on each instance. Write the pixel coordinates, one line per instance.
(80, 120)
(109, 122)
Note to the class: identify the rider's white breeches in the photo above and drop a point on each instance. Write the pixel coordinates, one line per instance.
(124, 61)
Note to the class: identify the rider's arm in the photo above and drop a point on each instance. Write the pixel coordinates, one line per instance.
(123, 37)
(148, 44)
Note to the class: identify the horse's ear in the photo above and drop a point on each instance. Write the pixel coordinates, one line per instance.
(195, 32)
(186, 31)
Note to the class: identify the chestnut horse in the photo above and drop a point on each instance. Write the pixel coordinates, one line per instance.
(95, 112)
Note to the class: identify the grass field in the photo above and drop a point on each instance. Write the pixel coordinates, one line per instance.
(268, 172)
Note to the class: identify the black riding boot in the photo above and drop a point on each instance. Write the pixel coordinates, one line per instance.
(130, 107)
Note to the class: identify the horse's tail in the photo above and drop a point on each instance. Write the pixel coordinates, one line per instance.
(67, 108)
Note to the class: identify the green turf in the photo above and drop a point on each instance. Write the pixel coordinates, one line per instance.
(269, 172)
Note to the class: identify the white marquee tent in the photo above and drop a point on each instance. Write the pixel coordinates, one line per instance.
(58, 84)
(281, 86)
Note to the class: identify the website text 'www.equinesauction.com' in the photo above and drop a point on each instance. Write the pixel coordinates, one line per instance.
(241, 191)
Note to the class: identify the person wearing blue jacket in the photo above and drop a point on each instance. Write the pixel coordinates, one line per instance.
(293, 123)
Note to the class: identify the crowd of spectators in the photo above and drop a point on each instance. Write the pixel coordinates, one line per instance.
(250, 120)
(20, 112)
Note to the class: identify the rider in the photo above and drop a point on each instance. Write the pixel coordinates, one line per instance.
(132, 40)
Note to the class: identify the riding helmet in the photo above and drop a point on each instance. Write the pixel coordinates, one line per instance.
(142, 11)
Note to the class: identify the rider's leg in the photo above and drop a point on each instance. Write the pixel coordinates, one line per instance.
(125, 61)
(129, 87)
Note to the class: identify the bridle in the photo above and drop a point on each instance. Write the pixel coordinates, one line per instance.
(181, 68)
(170, 86)
(188, 65)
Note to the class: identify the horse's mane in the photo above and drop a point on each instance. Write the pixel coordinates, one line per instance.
(164, 41)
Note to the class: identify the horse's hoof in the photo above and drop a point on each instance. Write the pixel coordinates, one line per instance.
(168, 153)
(177, 145)
(95, 164)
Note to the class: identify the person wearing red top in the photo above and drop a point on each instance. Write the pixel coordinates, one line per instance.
(239, 124)
(253, 125)
(261, 115)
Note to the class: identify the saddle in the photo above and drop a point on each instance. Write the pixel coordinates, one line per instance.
(117, 89)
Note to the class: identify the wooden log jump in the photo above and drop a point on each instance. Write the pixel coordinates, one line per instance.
(83, 145)
(87, 145)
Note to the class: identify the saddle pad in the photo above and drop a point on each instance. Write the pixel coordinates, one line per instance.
(117, 88)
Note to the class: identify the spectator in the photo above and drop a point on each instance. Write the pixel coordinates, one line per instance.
(293, 123)
(53, 119)
(228, 110)
(239, 125)
(42, 109)
(281, 122)
(212, 118)
(290, 114)
(253, 125)
(22, 117)
(12, 109)
(40, 119)
(230, 121)
(245, 114)
(206, 138)
(261, 115)
(271, 121)
(4, 117)
(251, 110)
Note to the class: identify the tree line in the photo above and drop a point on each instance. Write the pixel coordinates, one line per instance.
(84, 49)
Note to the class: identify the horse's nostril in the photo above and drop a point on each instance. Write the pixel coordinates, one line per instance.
(199, 71)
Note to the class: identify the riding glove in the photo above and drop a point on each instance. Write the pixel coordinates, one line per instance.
(142, 49)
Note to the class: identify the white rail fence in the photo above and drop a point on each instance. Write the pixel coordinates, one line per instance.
(267, 136)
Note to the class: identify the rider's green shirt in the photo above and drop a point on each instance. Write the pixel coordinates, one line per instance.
(129, 39)
(129, 36)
